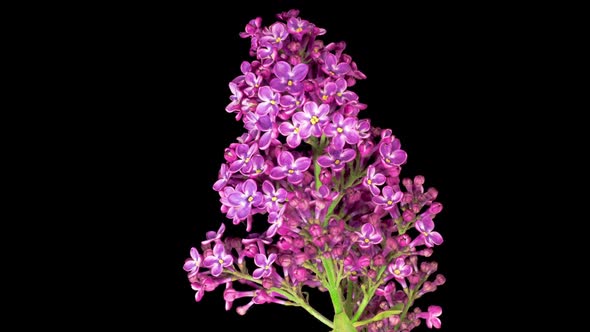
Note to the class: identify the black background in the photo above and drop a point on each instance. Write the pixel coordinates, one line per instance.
(159, 86)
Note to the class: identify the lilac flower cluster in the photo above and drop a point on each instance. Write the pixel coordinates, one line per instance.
(324, 186)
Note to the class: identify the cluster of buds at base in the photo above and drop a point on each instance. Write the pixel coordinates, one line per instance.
(334, 213)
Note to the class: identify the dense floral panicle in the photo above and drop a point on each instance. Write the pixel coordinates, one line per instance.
(318, 184)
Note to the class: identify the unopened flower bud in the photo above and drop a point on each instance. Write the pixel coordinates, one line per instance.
(426, 252)
(301, 257)
(408, 216)
(431, 194)
(439, 279)
(372, 274)
(418, 180)
(294, 46)
(391, 244)
(428, 287)
(413, 279)
(326, 177)
(230, 155)
(404, 240)
(319, 241)
(378, 260)
(315, 230)
(300, 274)
(337, 252)
(267, 283)
(435, 208)
(285, 260)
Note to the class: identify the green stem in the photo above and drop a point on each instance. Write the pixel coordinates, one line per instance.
(289, 295)
(331, 208)
(349, 297)
(405, 311)
(365, 301)
(317, 171)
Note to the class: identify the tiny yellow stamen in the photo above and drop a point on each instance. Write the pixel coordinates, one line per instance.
(274, 199)
(220, 261)
(314, 119)
(299, 29)
(272, 102)
(250, 199)
(291, 171)
(290, 83)
(324, 97)
(367, 241)
(340, 130)
(396, 271)
(389, 202)
(278, 40)
(369, 181)
(337, 162)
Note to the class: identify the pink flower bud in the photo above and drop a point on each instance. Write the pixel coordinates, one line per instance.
(428, 287)
(300, 274)
(439, 279)
(404, 240)
(315, 230)
(379, 260)
(391, 244)
(285, 260)
(426, 252)
(300, 258)
(435, 208)
(230, 155)
(310, 251)
(365, 148)
(319, 241)
(267, 283)
(326, 177)
(408, 216)
(294, 47)
(418, 180)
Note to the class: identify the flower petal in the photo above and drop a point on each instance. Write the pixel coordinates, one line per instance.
(218, 250)
(282, 69)
(277, 173)
(299, 72)
(324, 161)
(285, 159)
(260, 260)
(257, 274)
(302, 163)
(216, 270)
(189, 265)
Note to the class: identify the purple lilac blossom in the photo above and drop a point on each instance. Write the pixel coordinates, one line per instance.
(327, 187)
(290, 168)
(218, 260)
